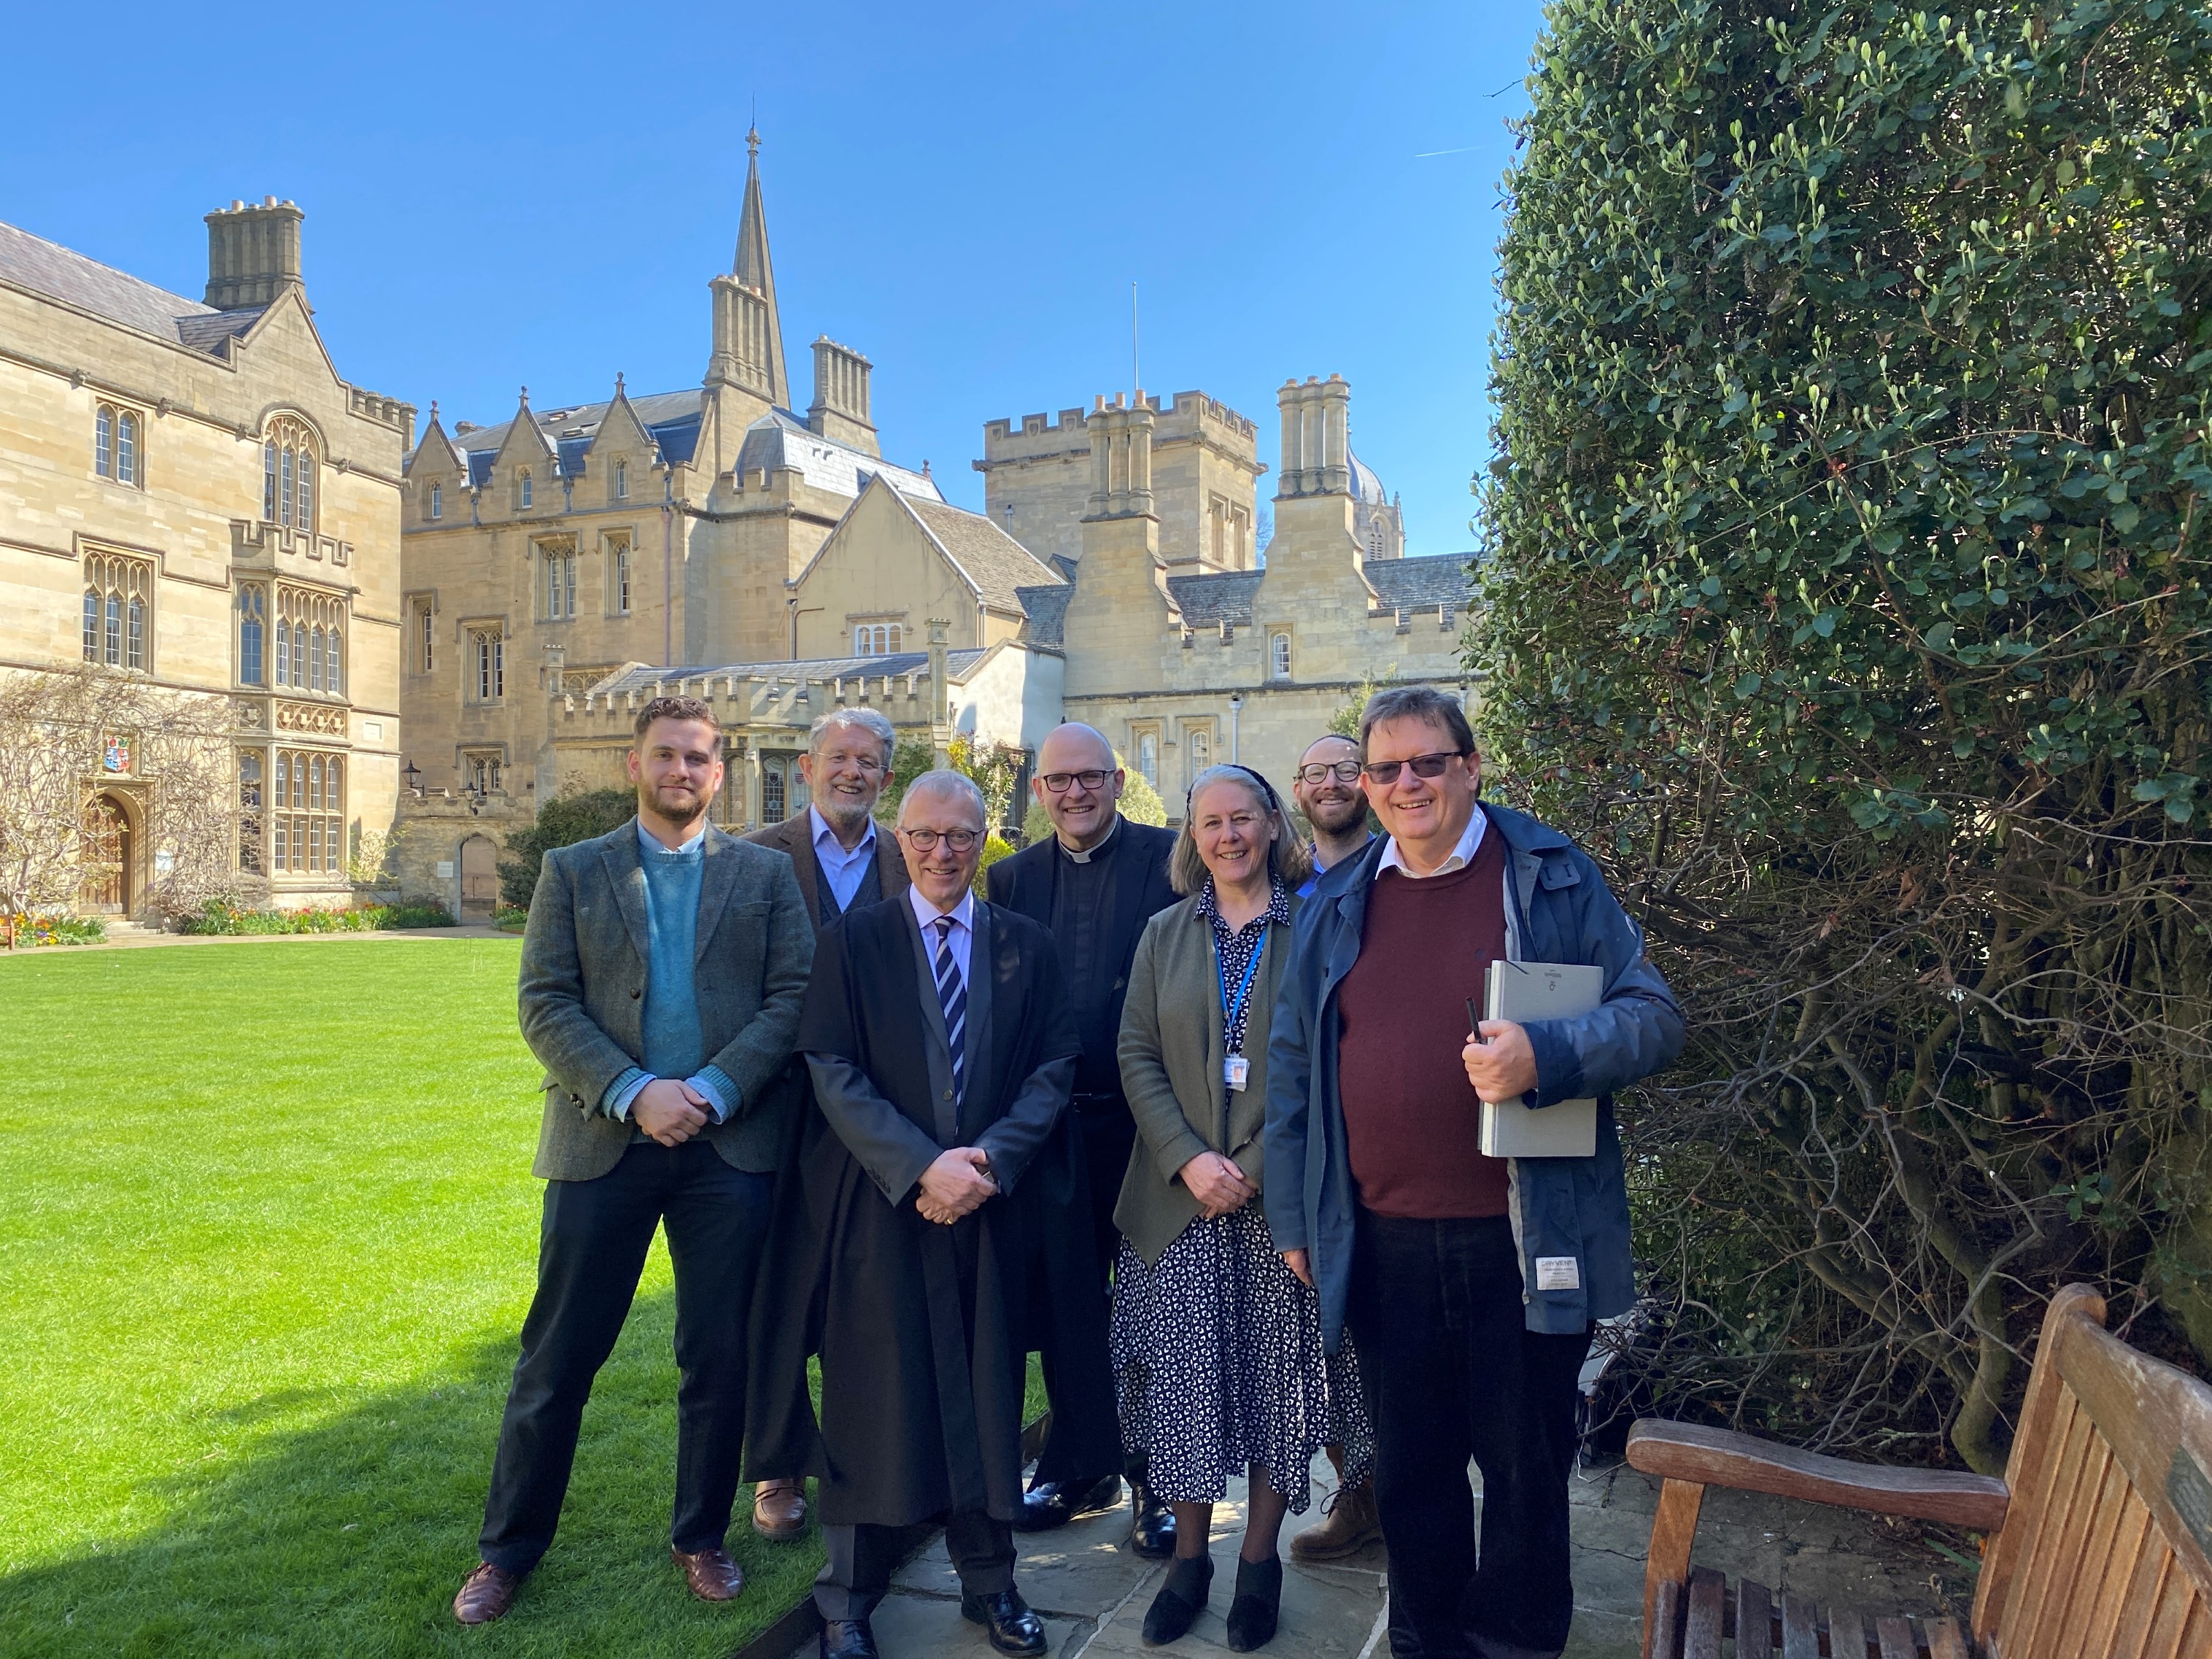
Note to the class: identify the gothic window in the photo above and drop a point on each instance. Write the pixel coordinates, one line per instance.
(288, 475)
(118, 597)
(771, 795)
(115, 447)
(485, 771)
(310, 644)
(622, 481)
(1278, 656)
(126, 448)
(557, 583)
(1197, 751)
(425, 637)
(437, 501)
(522, 490)
(618, 577)
(488, 665)
(308, 802)
(1374, 540)
(252, 630)
(249, 771)
(103, 441)
(1148, 757)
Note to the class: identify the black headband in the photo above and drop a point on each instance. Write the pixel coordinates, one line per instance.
(1266, 788)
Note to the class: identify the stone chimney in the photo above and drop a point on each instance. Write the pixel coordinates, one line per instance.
(1120, 458)
(254, 253)
(1316, 438)
(840, 410)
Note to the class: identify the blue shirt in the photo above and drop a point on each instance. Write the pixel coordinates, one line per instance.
(1306, 887)
(843, 869)
(672, 1038)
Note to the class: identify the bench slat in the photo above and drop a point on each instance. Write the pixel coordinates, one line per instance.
(1944, 1641)
(1894, 1637)
(1755, 1621)
(1664, 1640)
(1801, 1629)
(1701, 1638)
(1846, 1634)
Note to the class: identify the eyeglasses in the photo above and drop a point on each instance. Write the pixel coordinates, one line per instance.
(1342, 771)
(1058, 782)
(1424, 766)
(924, 840)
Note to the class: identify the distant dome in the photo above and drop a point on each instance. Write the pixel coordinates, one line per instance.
(1366, 486)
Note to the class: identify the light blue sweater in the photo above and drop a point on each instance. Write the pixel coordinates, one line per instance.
(674, 1046)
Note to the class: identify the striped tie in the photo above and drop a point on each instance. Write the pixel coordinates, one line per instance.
(952, 995)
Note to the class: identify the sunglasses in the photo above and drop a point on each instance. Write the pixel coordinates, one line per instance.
(1385, 773)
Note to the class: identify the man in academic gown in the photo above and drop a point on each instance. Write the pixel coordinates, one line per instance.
(938, 1036)
(1094, 883)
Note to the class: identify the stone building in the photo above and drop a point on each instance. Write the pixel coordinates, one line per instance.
(191, 495)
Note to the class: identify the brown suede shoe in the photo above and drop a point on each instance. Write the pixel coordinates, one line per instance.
(485, 1595)
(780, 1509)
(1349, 1525)
(711, 1575)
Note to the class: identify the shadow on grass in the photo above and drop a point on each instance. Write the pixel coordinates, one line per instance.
(350, 1536)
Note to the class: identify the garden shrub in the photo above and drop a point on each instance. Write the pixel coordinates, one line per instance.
(562, 822)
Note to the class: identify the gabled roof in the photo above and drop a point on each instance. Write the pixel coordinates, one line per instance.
(996, 565)
(42, 267)
(1225, 596)
(671, 420)
(958, 665)
(435, 448)
(1047, 610)
(1418, 584)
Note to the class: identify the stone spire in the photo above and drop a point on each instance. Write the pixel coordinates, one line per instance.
(749, 331)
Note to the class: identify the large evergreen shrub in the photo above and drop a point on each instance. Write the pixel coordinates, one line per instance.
(1846, 592)
(562, 822)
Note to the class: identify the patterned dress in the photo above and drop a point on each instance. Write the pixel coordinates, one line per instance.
(1218, 1360)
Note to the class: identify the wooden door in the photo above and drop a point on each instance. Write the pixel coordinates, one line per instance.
(479, 878)
(104, 858)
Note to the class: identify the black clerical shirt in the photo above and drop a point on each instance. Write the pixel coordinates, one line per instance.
(1083, 927)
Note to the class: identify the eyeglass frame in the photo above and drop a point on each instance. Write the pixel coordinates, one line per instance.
(1439, 756)
(1326, 769)
(1069, 779)
(914, 838)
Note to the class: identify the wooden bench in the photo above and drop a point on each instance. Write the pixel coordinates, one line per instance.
(2097, 1537)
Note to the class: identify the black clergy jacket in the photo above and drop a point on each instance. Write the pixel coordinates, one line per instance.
(917, 1324)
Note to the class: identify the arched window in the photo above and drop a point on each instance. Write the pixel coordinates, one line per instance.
(306, 519)
(288, 474)
(315, 660)
(771, 795)
(310, 649)
(126, 449)
(119, 616)
(290, 499)
(618, 577)
(1278, 656)
(268, 482)
(103, 441)
(333, 667)
(309, 816)
(283, 652)
(249, 811)
(253, 625)
(437, 501)
(522, 493)
(283, 822)
(622, 481)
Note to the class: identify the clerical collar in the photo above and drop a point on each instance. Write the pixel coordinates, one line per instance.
(1092, 852)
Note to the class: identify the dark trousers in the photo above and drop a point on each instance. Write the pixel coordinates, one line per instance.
(591, 1249)
(1108, 1131)
(1451, 1373)
(861, 1560)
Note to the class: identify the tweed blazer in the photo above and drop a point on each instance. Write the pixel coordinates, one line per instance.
(1171, 1052)
(582, 994)
(795, 836)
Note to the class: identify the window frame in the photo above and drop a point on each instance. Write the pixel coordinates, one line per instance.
(1279, 653)
(291, 456)
(117, 611)
(250, 637)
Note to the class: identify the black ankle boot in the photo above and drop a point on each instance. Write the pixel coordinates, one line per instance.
(1181, 1595)
(1259, 1598)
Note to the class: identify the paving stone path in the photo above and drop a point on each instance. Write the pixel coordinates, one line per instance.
(1093, 1593)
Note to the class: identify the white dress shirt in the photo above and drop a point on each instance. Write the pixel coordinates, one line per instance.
(962, 936)
(1462, 852)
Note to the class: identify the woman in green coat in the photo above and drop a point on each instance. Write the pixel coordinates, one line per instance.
(1218, 1358)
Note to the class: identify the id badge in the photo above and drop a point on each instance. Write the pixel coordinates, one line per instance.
(1235, 1072)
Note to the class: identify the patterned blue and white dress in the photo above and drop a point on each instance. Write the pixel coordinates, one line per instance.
(1218, 1360)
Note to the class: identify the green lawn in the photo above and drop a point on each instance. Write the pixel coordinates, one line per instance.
(267, 1235)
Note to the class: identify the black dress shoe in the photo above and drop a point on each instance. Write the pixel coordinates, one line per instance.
(848, 1639)
(1055, 1503)
(1007, 1619)
(1181, 1594)
(1152, 1533)
(1259, 1601)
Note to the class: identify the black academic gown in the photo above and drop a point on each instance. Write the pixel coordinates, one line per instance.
(917, 1324)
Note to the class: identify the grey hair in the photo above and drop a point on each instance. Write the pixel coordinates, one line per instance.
(867, 719)
(944, 781)
(1418, 702)
(1289, 857)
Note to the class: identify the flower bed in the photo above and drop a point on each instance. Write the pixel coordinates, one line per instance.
(54, 930)
(217, 917)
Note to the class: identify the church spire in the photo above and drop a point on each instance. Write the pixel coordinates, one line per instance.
(751, 269)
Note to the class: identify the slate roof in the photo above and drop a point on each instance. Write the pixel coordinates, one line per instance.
(1418, 584)
(1047, 608)
(898, 666)
(999, 566)
(43, 267)
(670, 418)
(780, 439)
(1224, 596)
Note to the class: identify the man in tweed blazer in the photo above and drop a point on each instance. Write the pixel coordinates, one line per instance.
(662, 976)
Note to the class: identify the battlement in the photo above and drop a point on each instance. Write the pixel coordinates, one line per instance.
(1038, 436)
(1188, 414)
(385, 411)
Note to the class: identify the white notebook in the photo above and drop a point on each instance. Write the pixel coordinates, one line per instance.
(1520, 991)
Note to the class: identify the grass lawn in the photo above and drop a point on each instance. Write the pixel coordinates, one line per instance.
(268, 1236)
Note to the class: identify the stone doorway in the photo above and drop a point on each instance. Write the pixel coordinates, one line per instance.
(104, 858)
(479, 879)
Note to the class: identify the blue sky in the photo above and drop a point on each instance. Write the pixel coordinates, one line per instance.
(502, 194)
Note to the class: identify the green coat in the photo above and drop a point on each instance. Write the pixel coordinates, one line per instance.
(584, 959)
(1172, 1057)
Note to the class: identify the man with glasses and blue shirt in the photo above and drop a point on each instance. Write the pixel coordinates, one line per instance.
(1093, 884)
(1471, 1283)
(1327, 789)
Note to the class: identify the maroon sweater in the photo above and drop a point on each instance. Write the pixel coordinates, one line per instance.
(1413, 1121)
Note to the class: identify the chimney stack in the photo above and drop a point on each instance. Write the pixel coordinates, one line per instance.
(840, 410)
(254, 253)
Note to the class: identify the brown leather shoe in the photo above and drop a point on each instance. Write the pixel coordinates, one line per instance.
(710, 1573)
(780, 1509)
(1349, 1524)
(485, 1595)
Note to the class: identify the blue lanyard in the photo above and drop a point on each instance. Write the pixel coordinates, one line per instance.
(1230, 1010)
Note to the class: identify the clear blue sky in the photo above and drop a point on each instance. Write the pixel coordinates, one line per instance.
(502, 194)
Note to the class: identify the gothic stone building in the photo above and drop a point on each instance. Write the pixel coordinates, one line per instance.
(191, 493)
